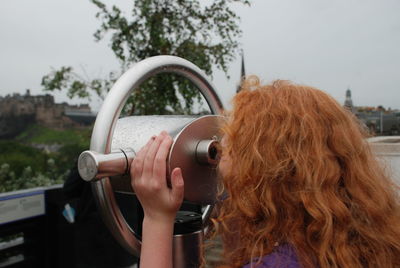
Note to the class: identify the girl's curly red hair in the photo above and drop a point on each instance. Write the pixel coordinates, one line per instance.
(304, 175)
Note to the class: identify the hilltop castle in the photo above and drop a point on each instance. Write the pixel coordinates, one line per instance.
(17, 111)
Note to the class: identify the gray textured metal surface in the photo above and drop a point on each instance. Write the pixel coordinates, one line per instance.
(187, 132)
(135, 131)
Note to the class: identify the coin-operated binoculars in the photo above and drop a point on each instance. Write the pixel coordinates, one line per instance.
(114, 143)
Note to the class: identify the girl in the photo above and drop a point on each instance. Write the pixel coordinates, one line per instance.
(304, 189)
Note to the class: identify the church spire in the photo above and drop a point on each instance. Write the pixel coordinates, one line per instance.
(242, 73)
(348, 103)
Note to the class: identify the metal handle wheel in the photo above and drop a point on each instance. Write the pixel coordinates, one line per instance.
(105, 125)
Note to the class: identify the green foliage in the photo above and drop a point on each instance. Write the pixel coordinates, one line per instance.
(19, 156)
(37, 134)
(67, 156)
(203, 34)
(76, 85)
(28, 179)
(22, 166)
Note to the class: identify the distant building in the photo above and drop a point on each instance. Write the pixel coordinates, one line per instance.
(242, 74)
(377, 119)
(348, 103)
(17, 111)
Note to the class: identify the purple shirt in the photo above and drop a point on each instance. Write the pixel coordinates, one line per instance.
(283, 256)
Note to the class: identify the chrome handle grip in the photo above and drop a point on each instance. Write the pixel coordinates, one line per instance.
(93, 166)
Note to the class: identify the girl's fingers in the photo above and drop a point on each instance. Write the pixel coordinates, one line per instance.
(177, 186)
(150, 156)
(137, 163)
(159, 166)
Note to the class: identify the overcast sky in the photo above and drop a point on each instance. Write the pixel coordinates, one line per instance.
(331, 45)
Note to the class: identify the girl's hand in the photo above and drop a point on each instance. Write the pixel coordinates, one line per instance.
(160, 203)
(148, 178)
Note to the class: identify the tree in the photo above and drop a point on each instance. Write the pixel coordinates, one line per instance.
(203, 34)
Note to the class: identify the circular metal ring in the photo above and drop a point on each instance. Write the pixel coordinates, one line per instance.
(104, 128)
